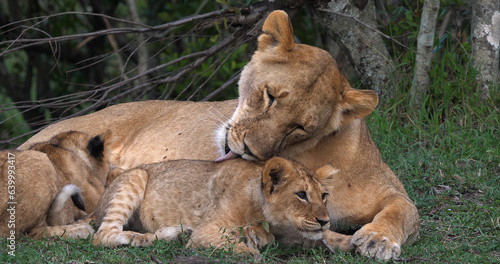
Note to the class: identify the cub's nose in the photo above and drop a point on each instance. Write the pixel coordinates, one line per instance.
(323, 222)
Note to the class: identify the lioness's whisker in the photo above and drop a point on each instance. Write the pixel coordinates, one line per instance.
(220, 116)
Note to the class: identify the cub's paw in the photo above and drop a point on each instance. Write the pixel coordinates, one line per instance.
(124, 238)
(174, 232)
(255, 236)
(142, 240)
(372, 243)
(80, 231)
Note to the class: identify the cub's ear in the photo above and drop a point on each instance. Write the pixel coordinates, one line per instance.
(277, 32)
(275, 173)
(326, 174)
(96, 147)
(102, 146)
(358, 104)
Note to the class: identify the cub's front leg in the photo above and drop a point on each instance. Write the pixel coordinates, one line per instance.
(254, 237)
(77, 230)
(246, 239)
(125, 196)
(338, 241)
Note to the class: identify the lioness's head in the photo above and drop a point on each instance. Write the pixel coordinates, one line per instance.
(295, 198)
(290, 96)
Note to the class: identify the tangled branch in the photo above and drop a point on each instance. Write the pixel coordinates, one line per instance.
(113, 31)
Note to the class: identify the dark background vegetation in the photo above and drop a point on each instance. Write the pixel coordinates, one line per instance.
(60, 59)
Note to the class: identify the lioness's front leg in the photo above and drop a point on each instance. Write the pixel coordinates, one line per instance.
(128, 194)
(390, 228)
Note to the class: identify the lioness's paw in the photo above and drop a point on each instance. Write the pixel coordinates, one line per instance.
(371, 243)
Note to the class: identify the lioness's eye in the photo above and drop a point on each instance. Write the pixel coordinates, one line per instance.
(270, 97)
(302, 195)
(323, 196)
(300, 127)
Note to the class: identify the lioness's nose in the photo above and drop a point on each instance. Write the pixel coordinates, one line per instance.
(323, 222)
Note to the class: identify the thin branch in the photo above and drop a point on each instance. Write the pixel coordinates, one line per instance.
(114, 46)
(213, 73)
(73, 13)
(228, 83)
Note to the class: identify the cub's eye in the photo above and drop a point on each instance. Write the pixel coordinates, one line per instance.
(270, 97)
(323, 196)
(302, 195)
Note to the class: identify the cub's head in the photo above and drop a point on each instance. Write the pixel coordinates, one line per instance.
(295, 197)
(290, 96)
(66, 147)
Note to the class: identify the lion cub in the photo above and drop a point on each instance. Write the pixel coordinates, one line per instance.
(234, 202)
(36, 185)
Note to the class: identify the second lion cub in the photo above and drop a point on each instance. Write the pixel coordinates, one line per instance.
(234, 202)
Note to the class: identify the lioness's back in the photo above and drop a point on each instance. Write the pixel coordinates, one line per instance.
(151, 131)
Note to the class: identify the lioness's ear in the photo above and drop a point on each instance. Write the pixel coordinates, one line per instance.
(358, 103)
(112, 147)
(326, 174)
(275, 173)
(277, 32)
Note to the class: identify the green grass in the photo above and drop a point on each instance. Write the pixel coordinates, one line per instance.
(63, 251)
(452, 175)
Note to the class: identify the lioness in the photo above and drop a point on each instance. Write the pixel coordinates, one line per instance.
(71, 164)
(218, 202)
(293, 102)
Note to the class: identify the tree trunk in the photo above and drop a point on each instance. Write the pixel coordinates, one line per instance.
(486, 43)
(142, 51)
(425, 44)
(363, 45)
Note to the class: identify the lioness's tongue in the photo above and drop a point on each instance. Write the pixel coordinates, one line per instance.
(229, 155)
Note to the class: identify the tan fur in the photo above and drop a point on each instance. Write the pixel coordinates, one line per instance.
(220, 203)
(316, 118)
(40, 175)
(150, 131)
